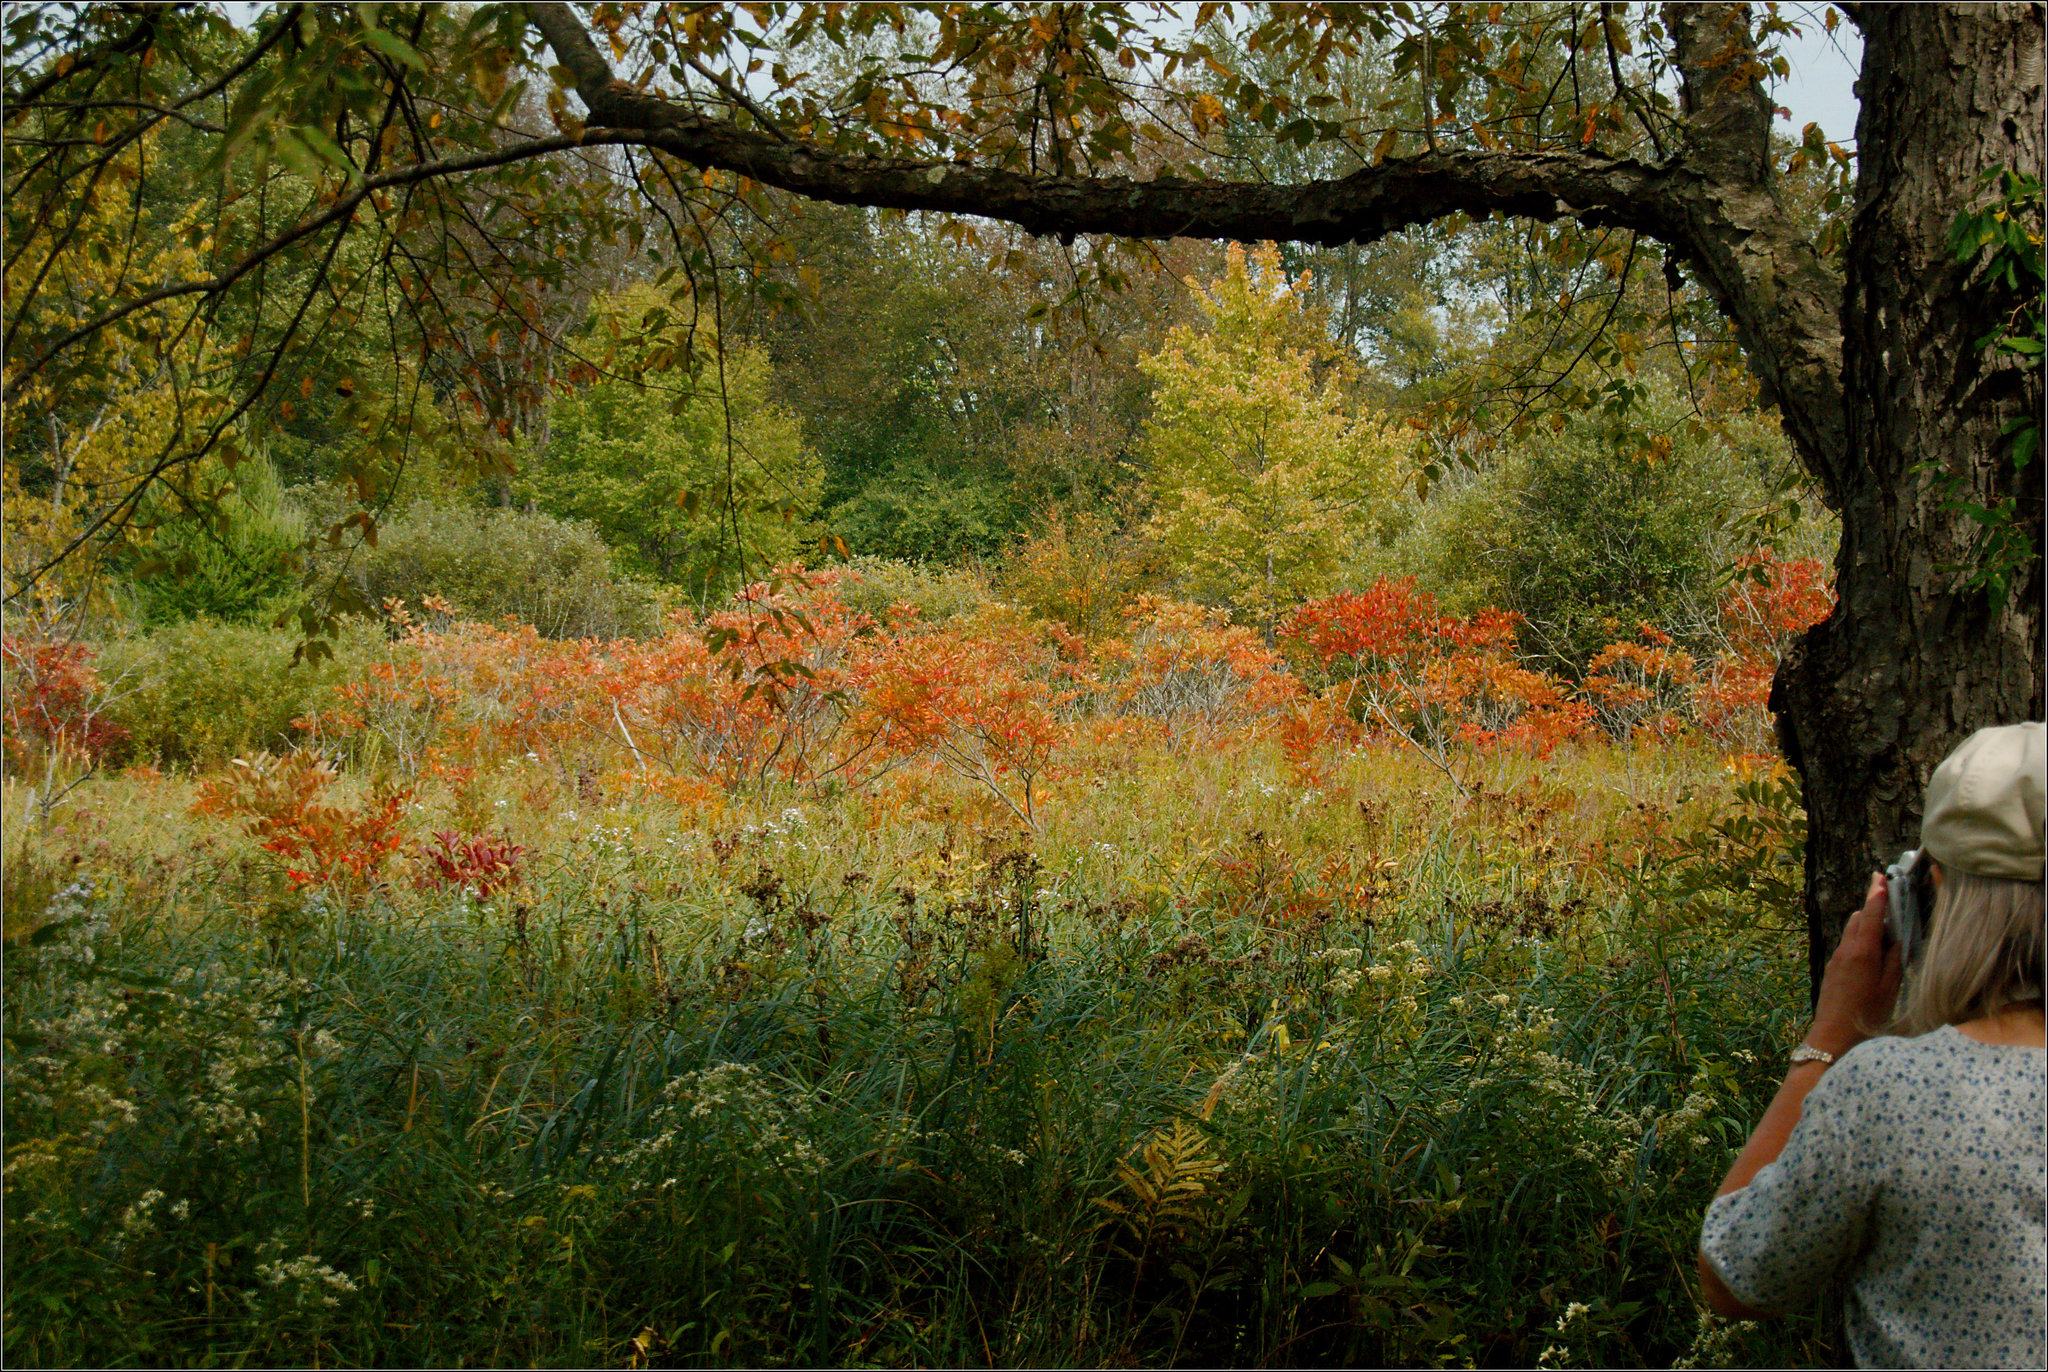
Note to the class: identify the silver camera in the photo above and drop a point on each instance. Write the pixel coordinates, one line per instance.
(1908, 896)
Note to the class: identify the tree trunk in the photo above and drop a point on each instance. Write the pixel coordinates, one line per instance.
(1911, 662)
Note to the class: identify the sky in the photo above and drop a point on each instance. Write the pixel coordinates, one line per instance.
(1821, 89)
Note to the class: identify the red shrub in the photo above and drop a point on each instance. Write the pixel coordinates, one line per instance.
(283, 803)
(484, 866)
(53, 700)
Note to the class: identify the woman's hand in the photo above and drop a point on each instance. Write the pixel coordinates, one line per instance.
(1862, 980)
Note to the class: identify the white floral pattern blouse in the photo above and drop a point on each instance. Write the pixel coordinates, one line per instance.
(1917, 1173)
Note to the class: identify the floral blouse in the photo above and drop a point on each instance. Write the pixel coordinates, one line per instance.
(1917, 1173)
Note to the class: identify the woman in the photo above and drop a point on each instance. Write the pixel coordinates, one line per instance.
(1912, 1165)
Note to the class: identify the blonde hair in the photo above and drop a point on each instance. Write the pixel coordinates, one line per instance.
(1983, 953)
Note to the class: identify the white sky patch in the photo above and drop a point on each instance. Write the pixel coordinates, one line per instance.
(1822, 87)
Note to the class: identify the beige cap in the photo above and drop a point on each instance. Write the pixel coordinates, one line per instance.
(1985, 804)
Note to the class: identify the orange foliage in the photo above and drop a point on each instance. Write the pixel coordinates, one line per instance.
(981, 702)
(768, 704)
(283, 803)
(1769, 602)
(1205, 680)
(1261, 879)
(790, 686)
(1390, 660)
(1642, 686)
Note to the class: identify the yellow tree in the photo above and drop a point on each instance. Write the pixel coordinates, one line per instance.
(1265, 474)
(79, 460)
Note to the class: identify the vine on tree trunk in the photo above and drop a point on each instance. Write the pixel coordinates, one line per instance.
(2010, 229)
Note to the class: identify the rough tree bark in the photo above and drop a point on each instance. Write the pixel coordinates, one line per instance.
(1870, 381)
(1910, 664)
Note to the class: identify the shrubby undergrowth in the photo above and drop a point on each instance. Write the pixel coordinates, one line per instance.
(557, 575)
(201, 691)
(981, 994)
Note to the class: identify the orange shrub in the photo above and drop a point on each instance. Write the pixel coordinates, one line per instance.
(1642, 686)
(1769, 602)
(768, 703)
(789, 685)
(283, 803)
(1204, 679)
(1389, 659)
(982, 702)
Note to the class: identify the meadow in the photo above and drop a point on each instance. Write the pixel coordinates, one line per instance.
(832, 983)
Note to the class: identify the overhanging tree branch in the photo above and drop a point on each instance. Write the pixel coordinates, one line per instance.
(343, 208)
(1713, 205)
(1369, 204)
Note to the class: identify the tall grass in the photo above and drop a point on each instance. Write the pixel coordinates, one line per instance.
(1210, 1069)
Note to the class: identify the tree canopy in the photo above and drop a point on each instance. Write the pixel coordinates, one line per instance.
(635, 458)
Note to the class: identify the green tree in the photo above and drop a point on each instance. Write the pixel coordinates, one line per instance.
(1589, 524)
(989, 389)
(676, 455)
(220, 544)
(1602, 530)
(1265, 477)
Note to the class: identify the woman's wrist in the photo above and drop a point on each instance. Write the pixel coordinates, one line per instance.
(1833, 1039)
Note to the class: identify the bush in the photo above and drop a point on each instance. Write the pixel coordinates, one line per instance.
(555, 574)
(874, 584)
(920, 516)
(203, 691)
(1081, 570)
(52, 700)
(1444, 541)
(234, 569)
(1588, 531)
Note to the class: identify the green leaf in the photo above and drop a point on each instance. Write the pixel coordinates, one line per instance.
(394, 47)
(325, 148)
(298, 156)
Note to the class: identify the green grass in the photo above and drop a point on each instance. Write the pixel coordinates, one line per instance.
(877, 1080)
